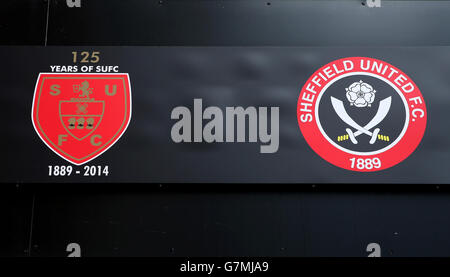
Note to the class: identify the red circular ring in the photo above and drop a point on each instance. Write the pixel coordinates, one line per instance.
(388, 158)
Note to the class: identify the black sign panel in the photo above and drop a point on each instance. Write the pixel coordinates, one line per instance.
(168, 82)
(112, 219)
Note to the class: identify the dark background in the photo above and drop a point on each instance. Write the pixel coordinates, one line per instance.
(220, 219)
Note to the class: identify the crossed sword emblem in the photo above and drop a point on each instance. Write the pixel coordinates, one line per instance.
(382, 111)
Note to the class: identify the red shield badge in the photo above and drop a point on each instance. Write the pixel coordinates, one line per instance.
(80, 116)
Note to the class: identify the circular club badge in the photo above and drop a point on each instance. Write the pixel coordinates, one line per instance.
(361, 114)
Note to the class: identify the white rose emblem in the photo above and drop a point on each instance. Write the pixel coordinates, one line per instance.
(360, 94)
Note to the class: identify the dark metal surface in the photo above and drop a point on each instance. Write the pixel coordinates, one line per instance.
(250, 23)
(23, 22)
(251, 224)
(16, 208)
(271, 224)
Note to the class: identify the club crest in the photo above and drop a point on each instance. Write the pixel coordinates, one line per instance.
(361, 114)
(80, 116)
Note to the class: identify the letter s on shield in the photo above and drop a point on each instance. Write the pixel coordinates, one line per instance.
(80, 116)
